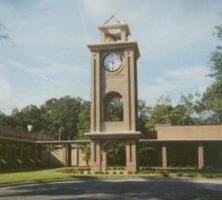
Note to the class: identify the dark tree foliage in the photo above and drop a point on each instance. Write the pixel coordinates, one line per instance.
(148, 155)
(212, 98)
(68, 115)
(5, 120)
(116, 155)
(114, 109)
(84, 119)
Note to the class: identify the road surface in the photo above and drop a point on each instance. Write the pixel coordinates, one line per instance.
(130, 189)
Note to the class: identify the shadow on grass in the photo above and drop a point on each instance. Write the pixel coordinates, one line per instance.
(24, 169)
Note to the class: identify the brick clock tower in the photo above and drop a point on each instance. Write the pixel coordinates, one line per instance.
(113, 95)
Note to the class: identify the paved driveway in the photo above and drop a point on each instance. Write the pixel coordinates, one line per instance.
(149, 189)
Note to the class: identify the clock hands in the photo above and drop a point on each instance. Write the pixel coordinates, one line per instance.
(112, 61)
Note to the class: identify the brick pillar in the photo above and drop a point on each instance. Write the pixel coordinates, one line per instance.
(200, 156)
(77, 156)
(103, 160)
(66, 155)
(131, 155)
(164, 156)
(95, 156)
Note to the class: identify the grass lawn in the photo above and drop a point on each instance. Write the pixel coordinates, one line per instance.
(22, 176)
(32, 175)
(35, 175)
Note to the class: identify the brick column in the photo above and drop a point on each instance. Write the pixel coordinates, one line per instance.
(95, 156)
(164, 156)
(66, 155)
(131, 155)
(77, 156)
(103, 160)
(200, 156)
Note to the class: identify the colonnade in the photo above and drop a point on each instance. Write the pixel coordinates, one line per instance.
(200, 155)
(33, 154)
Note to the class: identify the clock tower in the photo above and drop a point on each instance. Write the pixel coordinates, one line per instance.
(113, 94)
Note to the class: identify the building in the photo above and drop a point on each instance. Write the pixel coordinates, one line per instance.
(114, 82)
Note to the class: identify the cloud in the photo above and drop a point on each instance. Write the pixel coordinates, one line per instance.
(99, 7)
(175, 82)
(66, 81)
(31, 71)
(6, 92)
(164, 30)
(62, 69)
(175, 40)
(187, 73)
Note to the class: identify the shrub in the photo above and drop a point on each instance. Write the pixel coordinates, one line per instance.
(165, 173)
(210, 175)
(180, 174)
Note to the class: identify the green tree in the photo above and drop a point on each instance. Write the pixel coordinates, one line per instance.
(147, 155)
(5, 120)
(17, 119)
(114, 109)
(31, 115)
(144, 112)
(161, 112)
(182, 113)
(212, 98)
(84, 119)
(116, 154)
(86, 151)
(71, 114)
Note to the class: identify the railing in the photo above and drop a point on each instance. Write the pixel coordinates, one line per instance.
(23, 135)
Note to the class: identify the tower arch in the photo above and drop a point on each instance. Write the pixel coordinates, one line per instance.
(113, 107)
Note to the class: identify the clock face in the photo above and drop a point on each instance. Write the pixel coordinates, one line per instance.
(112, 62)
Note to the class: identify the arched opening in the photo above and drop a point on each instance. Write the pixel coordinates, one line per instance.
(116, 155)
(113, 107)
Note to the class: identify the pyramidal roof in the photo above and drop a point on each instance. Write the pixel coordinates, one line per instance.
(113, 20)
(114, 23)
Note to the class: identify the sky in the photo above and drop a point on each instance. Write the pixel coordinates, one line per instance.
(47, 55)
